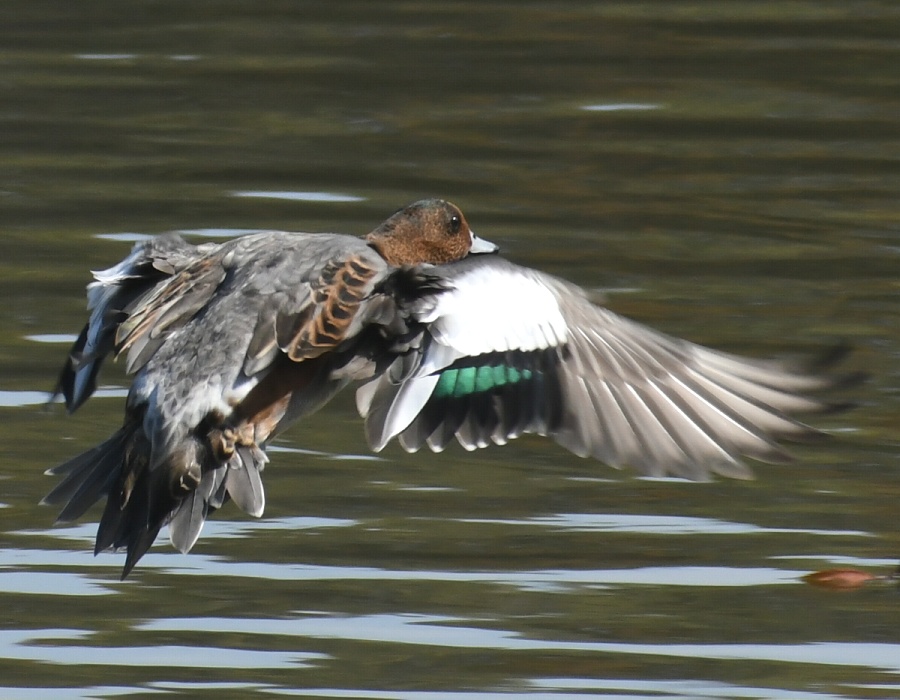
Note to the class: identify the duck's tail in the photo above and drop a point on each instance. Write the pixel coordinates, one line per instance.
(116, 468)
(89, 476)
(142, 495)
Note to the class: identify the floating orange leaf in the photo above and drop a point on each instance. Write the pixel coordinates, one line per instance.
(839, 579)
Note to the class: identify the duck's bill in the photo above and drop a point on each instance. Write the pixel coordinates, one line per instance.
(480, 245)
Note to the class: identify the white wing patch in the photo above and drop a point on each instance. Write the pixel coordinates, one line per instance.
(497, 309)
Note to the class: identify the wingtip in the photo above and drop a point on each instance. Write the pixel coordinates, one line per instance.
(834, 407)
(830, 357)
(850, 380)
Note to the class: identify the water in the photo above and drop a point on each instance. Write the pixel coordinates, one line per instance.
(727, 172)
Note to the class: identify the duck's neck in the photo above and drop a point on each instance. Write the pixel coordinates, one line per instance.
(394, 252)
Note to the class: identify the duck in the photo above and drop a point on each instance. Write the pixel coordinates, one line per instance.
(230, 343)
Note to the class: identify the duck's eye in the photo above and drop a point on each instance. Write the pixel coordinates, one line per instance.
(455, 223)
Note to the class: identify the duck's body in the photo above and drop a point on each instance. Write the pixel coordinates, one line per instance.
(231, 343)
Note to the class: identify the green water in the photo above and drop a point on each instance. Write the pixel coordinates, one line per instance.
(725, 171)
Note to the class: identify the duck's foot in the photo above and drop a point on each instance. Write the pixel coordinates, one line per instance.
(224, 440)
(221, 443)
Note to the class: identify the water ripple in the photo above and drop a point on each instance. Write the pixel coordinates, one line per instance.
(300, 196)
(446, 631)
(18, 399)
(654, 525)
(44, 646)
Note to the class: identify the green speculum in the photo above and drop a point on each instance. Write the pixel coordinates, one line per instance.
(457, 382)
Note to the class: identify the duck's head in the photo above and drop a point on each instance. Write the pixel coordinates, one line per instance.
(428, 231)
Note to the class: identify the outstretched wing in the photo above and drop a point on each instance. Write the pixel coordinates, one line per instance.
(110, 296)
(507, 350)
(263, 323)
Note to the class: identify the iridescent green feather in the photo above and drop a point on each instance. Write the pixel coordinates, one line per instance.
(458, 382)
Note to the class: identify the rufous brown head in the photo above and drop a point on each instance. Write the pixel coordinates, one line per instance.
(428, 231)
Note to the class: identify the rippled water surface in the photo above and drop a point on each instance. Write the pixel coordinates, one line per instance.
(725, 171)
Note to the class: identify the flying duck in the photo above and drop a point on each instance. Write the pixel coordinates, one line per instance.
(230, 343)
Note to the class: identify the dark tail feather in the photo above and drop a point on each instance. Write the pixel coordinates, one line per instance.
(89, 475)
(127, 526)
(138, 544)
(110, 529)
(180, 491)
(136, 509)
(138, 501)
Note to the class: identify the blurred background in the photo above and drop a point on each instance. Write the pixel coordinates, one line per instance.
(724, 171)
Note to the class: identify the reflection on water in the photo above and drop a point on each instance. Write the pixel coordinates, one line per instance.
(621, 107)
(302, 196)
(41, 398)
(724, 171)
(54, 646)
(653, 524)
(422, 630)
(559, 580)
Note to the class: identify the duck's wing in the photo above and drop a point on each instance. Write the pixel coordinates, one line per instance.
(149, 320)
(303, 346)
(287, 326)
(263, 322)
(110, 296)
(506, 350)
